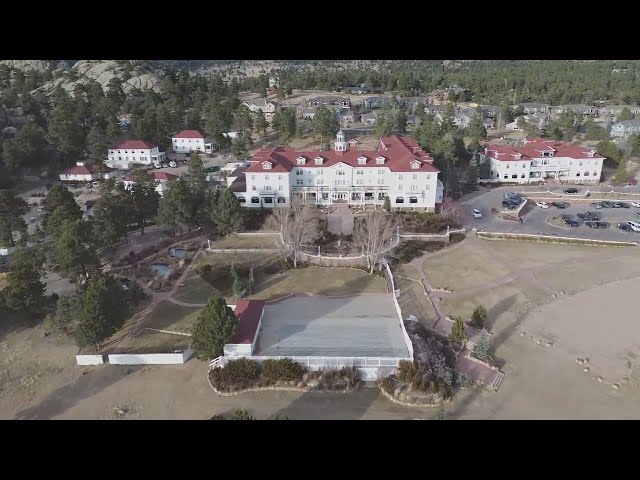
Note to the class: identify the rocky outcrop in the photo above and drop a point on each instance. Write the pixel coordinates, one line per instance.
(143, 78)
(27, 65)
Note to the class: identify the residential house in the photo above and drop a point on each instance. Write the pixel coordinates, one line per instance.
(308, 113)
(191, 141)
(268, 107)
(434, 109)
(129, 152)
(343, 102)
(411, 103)
(531, 108)
(368, 118)
(375, 102)
(437, 96)
(79, 173)
(346, 116)
(399, 169)
(359, 90)
(460, 120)
(162, 180)
(615, 110)
(577, 108)
(541, 158)
(460, 93)
(273, 83)
(624, 128)
(489, 123)
(490, 111)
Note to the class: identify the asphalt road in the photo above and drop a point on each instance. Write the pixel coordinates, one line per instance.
(536, 220)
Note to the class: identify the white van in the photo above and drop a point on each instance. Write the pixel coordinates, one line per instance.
(635, 226)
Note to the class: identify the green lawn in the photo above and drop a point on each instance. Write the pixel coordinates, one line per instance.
(195, 290)
(319, 281)
(168, 316)
(246, 242)
(148, 341)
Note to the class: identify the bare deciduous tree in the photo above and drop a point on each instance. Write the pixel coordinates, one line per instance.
(298, 225)
(373, 232)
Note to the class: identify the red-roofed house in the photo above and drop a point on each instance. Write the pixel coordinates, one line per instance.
(79, 173)
(249, 314)
(191, 141)
(162, 180)
(399, 168)
(541, 158)
(129, 152)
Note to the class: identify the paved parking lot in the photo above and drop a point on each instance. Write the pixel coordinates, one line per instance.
(536, 220)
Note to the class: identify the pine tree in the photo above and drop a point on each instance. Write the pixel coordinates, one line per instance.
(227, 213)
(481, 350)
(215, 326)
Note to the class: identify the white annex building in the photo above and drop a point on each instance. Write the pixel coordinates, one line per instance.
(542, 158)
(191, 141)
(399, 168)
(129, 152)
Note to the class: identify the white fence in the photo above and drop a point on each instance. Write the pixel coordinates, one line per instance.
(317, 363)
(557, 238)
(150, 358)
(407, 339)
(89, 359)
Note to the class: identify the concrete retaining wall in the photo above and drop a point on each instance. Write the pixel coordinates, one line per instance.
(151, 358)
(552, 239)
(89, 359)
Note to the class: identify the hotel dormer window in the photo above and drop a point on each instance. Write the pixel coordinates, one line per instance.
(318, 160)
(266, 165)
(362, 160)
(415, 165)
(380, 160)
(300, 160)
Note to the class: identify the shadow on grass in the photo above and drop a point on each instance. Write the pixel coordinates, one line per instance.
(65, 397)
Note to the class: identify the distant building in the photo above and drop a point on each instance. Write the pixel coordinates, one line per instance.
(368, 118)
(129, 152)
(375, 102)
(531, 108)
(577, 108)
(343, 102)
(542, 158)
(615, 110)
(162, 179)
(79, 173)
(624, 128)
(268, 107)
(359, 90)
(191, 141)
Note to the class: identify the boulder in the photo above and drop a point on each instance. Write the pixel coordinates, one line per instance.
(27, 65)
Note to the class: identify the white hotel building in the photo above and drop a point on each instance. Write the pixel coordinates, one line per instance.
(188, 141)
(542, 158)
(399, 168)
(129, 152)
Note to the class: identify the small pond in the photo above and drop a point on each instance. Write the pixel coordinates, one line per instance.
(161, 270)
(177, 252)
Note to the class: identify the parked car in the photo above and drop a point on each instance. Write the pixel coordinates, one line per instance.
(561, 205)
(635, 226)
(635, 204)
(625, 227)
(616, 205)
(632, 182)
(596, 224)
(173, 164)
(510, 205)
(542, 204)
(606, 204)
(589, 216)
(95, 184)
(183, 161)
(164, 164)
(570, 222)
(597, 205)
(571, 190)
(624, 205)
(476, 213)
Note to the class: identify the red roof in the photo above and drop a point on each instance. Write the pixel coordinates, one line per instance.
(399, 154)
(163, 176)
(249, 313)
(78, 170)
(534, 146)
(188, 134)
(135, 145)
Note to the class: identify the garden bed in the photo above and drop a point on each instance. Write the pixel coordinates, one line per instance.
(244, 375)
(422, 222)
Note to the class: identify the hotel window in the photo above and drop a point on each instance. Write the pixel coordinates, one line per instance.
(340, 172)
(414, 188)
(279, 177)
(399, 187)
(515, 175)
(380, 172)
(399, 177)
(126, 151)
(506, 176)
(298, 172)
(253, 177)
(578, 174)
(320, 181)
(524, 165)
(266, 177)
(299, 182)
(415, 165)
(508, 166)
(586, 174)
(320, 172)
(359, 181)
(380, 181)
(267, 187)
(253, 188)
(427, 187)
(522, 176)
(359, 172)
(280, 187)
(415, 176)
(133, 159)
(595, 174)
(428, 176)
